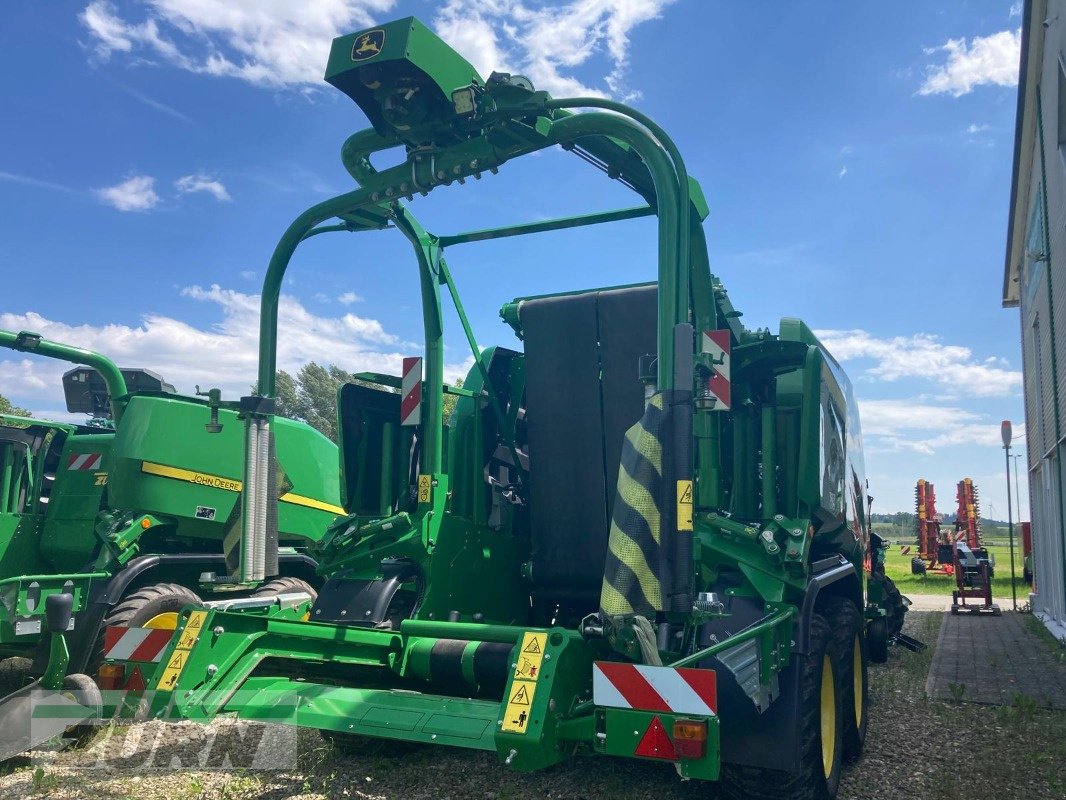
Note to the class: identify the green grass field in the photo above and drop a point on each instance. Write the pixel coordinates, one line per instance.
(898, 568)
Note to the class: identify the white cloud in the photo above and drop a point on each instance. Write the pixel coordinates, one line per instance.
(136, 193)
(923, 427)
(922, 356)
(280, 43)
(975, 128)
(843, 171)
(546, 43)
(1016, 9)
(249, 274)
(348, 298)
(36, 183)
(202, 183)
(992, 59)
(224, 354)
(275, 43)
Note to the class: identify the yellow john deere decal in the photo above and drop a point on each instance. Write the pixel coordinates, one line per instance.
(367, 45)
(230, 485)
(180, 657)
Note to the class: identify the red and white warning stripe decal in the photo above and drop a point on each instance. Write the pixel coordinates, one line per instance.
(411, 392)
(717, 345)
(678, 691)
(84, 461)
(135, 644)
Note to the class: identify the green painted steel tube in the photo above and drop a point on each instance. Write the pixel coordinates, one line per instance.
(388, 443)
(682, 288)
(561, 223)
(769, 460)
(279, 262)
(6, 458)
(755, 631)
(428, 254)
(27, 342)
(472, 631)
(664, 179)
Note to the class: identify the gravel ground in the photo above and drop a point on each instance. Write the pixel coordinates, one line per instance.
(916, 749)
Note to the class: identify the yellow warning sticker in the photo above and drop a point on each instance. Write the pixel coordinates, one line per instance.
(530, 654)
(180, 657)
(684, 505)
(425, 488)
(519, 706)
(192, 630)
(174, 667)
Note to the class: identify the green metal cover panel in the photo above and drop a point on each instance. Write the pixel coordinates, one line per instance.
(68, 540)
(164, 462)
(403, 40)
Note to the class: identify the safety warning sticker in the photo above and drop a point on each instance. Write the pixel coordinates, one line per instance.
(425, 488)
(519, 706)
(684, 505)
(180, 656)
(527, 666)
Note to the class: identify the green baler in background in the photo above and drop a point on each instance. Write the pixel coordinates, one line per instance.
(644, 534)
(128, 512)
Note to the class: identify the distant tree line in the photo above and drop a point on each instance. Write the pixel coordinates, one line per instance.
(6, 407)
(311, 395)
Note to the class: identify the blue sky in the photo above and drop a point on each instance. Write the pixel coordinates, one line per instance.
(856, 158)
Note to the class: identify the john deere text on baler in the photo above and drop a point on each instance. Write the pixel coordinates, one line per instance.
(642, 536)
(126, 513)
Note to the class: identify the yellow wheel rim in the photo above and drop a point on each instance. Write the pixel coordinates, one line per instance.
(828, 716)
(857, 689)
(167, 621)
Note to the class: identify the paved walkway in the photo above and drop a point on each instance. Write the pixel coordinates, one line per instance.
(986, 659)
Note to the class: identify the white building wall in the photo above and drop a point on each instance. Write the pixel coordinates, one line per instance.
(1043, 322)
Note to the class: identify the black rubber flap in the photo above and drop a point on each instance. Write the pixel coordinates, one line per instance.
(564, 422)
(582, 394)
(627, 323)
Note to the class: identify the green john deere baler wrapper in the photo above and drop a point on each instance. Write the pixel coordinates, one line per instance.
(129, 512)
(644, 534)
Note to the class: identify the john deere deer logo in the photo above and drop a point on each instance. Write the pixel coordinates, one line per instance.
(367, 45)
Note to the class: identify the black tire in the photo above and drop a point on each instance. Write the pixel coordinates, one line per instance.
(847, 623)
(917, 566)
(812, 781)
(877, 641)
(140, 607)
(285, 585)
(84, 691)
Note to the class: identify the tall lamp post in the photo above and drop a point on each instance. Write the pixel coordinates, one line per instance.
(1006, 433)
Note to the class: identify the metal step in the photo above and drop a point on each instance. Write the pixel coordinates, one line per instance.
(383, 713)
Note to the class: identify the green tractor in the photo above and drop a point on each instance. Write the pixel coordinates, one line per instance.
(129, 512)
(643, 532)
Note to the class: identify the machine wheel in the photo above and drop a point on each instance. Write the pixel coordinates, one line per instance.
(917, 566)
(83, 690)
(285, 585)
(821, 728)
(846, 621)
(155, 606)
(877, 641)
